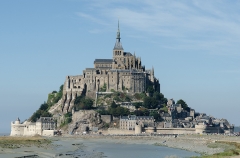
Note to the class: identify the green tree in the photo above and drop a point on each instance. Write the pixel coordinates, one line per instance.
(58, 95)
(119, 111)
(155, 115)
(114, 105)
(78, 100)
(183, 104)
(83, 103)
(145, 111)
(164, 108)
(46, 114)
(44, 106)
(150, 89)
(150, 103)
(157, 96)
(137, 105)
(138, 113)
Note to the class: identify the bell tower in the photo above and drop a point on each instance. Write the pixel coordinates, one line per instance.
(118, 49)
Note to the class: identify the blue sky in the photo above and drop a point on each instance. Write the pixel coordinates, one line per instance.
(192, 45)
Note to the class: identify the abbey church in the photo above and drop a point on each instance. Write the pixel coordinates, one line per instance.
(124, 72)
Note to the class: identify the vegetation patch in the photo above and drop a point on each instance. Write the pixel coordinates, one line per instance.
(83, 103)
(55, 96)
(17, 142)
(230, 149)
(67, 119)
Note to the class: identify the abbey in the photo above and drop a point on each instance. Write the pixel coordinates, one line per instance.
(124, 72)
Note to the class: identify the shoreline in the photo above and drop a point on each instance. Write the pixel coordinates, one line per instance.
(192, 143)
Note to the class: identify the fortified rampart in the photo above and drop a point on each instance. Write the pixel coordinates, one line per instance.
(45, 126)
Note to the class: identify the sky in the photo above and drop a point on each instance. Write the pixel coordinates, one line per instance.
(192, 45)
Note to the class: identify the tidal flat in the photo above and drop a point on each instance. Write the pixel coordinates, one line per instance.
(99, 146)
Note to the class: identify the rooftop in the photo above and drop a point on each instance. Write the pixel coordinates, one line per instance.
(103, 61)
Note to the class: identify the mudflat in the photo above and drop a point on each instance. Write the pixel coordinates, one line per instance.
(68, 145)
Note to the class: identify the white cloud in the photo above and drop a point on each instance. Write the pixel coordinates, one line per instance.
(209, 25)
(91, 18)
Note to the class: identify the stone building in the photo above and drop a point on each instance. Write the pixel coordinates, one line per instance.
(129, 122)
(124, 72)
(45, 126)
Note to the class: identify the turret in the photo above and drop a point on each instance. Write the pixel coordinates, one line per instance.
(17, 121)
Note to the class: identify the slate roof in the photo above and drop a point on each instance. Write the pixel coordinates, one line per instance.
(118, 45)
(127, 54)
(134, 117)
(45, 119)
(90, 69)
(103, 61)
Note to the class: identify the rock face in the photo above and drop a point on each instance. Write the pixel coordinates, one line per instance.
(83, 121)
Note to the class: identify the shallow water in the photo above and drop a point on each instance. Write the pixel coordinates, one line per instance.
(120, 150)
(86, 148)
(139, 150)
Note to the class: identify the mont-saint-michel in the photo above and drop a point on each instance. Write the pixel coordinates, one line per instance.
(118, 101)
(116, 96)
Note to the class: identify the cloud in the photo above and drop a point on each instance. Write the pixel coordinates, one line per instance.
(90, 18)
(209, 25)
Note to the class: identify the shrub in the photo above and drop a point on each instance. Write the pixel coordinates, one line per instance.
(83, 103)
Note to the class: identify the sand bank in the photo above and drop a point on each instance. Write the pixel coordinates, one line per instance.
(66, 146)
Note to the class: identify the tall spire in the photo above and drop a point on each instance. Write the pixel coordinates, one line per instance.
(118, 24)
(118, 44)
(118, 33)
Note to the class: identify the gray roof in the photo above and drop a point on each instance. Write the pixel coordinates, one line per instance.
(103, 68)
(134, 117)
(127, 54)
(90, 69)
(103, 61)
(119, 70)
(145, 117)
(45, 119)
(118, 45)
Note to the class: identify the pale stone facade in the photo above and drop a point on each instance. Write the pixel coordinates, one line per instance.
(124, 72)
(44, 126)
(129, 122)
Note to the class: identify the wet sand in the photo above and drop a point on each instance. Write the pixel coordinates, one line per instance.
(69, 146)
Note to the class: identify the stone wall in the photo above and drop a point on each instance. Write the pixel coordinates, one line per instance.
(176, 130)
(120, 131)
(48, 133)
(17, 129)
